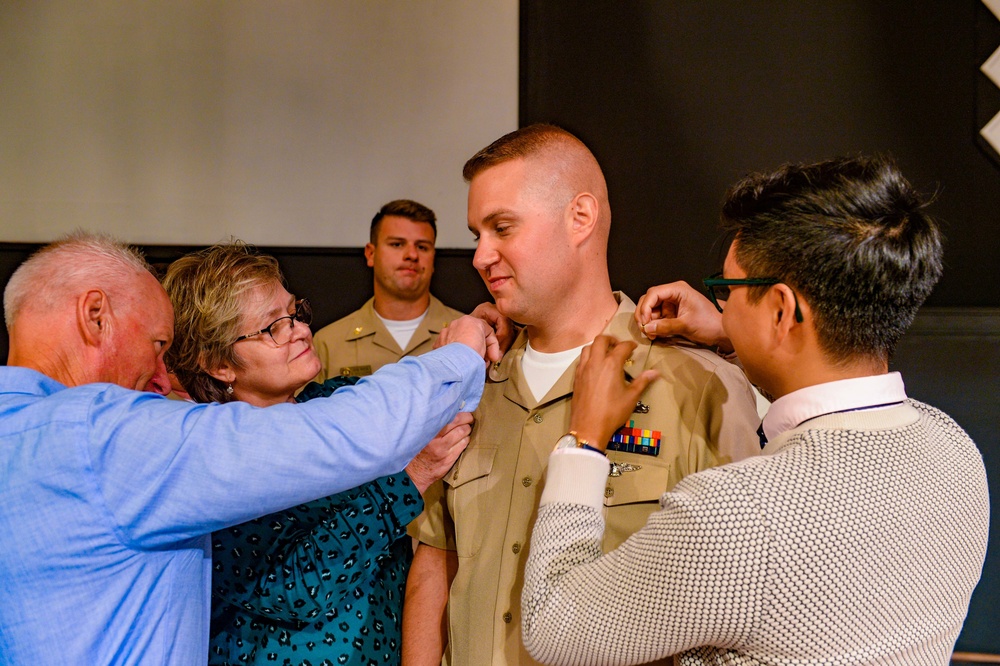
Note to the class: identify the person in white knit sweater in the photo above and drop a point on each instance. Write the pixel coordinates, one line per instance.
(859, 534)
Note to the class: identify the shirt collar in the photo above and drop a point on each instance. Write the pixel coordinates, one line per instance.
(844, 395)
(15, 379)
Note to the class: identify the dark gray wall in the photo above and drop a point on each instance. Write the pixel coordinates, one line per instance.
(678, 99)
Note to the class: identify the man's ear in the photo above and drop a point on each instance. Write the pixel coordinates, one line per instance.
(582, 212)
(93, 315)
(781, 303)
(370, 255)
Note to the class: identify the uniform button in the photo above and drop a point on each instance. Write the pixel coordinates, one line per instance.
(516, 548)
(537, 418)
(526, 481)
(507, 617)
(609, 492)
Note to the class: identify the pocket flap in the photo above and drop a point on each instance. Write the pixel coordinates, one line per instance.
(642, 485)
(473, 464)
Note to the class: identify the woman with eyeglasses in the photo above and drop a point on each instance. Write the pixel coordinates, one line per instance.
(318, 583)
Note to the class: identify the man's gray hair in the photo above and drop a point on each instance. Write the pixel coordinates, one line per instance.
(79, 260)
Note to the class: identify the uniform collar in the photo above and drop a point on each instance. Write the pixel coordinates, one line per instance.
(621, 326)
(366, 322)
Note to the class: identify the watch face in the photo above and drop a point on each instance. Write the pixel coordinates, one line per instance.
(566, 442)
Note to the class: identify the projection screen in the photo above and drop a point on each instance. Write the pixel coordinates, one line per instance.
(283, 123)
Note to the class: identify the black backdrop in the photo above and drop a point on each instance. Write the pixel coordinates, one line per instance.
(679, 98)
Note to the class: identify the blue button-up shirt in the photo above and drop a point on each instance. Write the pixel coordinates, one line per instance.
(107, 496)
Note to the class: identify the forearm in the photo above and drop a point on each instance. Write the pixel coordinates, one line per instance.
(701, 578)
(425, 625)
(203, 467)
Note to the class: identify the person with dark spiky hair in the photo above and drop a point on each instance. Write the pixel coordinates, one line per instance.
(858, 535)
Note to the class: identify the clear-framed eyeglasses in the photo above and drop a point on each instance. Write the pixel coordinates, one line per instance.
(281, 328)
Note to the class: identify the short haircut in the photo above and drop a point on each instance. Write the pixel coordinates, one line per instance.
(851, 235)
(209, 290)
(521, 143)
(411, 210)
(80, 260)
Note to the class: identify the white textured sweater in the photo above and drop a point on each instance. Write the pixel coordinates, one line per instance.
(857, 539)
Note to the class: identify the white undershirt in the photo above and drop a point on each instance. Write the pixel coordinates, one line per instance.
(402, 330)
(541, 371)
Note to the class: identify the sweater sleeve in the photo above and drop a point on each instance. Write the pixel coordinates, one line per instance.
(692, 576)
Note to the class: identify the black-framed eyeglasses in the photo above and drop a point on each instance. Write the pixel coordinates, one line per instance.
(718, 289)
(281, 328)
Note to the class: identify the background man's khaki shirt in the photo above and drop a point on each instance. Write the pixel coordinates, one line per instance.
(359, 344)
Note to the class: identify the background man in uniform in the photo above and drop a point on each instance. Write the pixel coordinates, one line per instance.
(859, 533)
(402, 318)
(538, 206)
(109, 495)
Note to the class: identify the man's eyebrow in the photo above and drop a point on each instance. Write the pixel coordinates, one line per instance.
(493, 217)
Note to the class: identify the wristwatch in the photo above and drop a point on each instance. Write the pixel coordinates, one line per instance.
(570, 441)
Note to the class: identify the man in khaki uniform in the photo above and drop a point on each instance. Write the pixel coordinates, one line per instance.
(402, 318)
(538, 205)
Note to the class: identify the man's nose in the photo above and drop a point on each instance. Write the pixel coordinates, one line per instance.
(485, 255)
(159, 382)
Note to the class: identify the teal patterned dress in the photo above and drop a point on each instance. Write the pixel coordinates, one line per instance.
(321, 583)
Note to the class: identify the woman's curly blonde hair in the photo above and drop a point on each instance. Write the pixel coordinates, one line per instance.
(209, 291)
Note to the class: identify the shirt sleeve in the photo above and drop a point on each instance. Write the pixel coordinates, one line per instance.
(692, 576)
(726, 419)
(170, 471)
(314, 555)
(434, 526)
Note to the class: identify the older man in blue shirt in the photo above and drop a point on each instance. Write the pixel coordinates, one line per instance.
(108, 494)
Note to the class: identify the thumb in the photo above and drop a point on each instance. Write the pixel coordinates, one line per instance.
(664, 328)
(639, 384)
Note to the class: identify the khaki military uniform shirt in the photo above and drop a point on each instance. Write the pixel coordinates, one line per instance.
(359, 344)
(703, 410)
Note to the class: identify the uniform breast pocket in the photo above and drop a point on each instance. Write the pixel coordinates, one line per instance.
(629, 499)
(468, 488)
